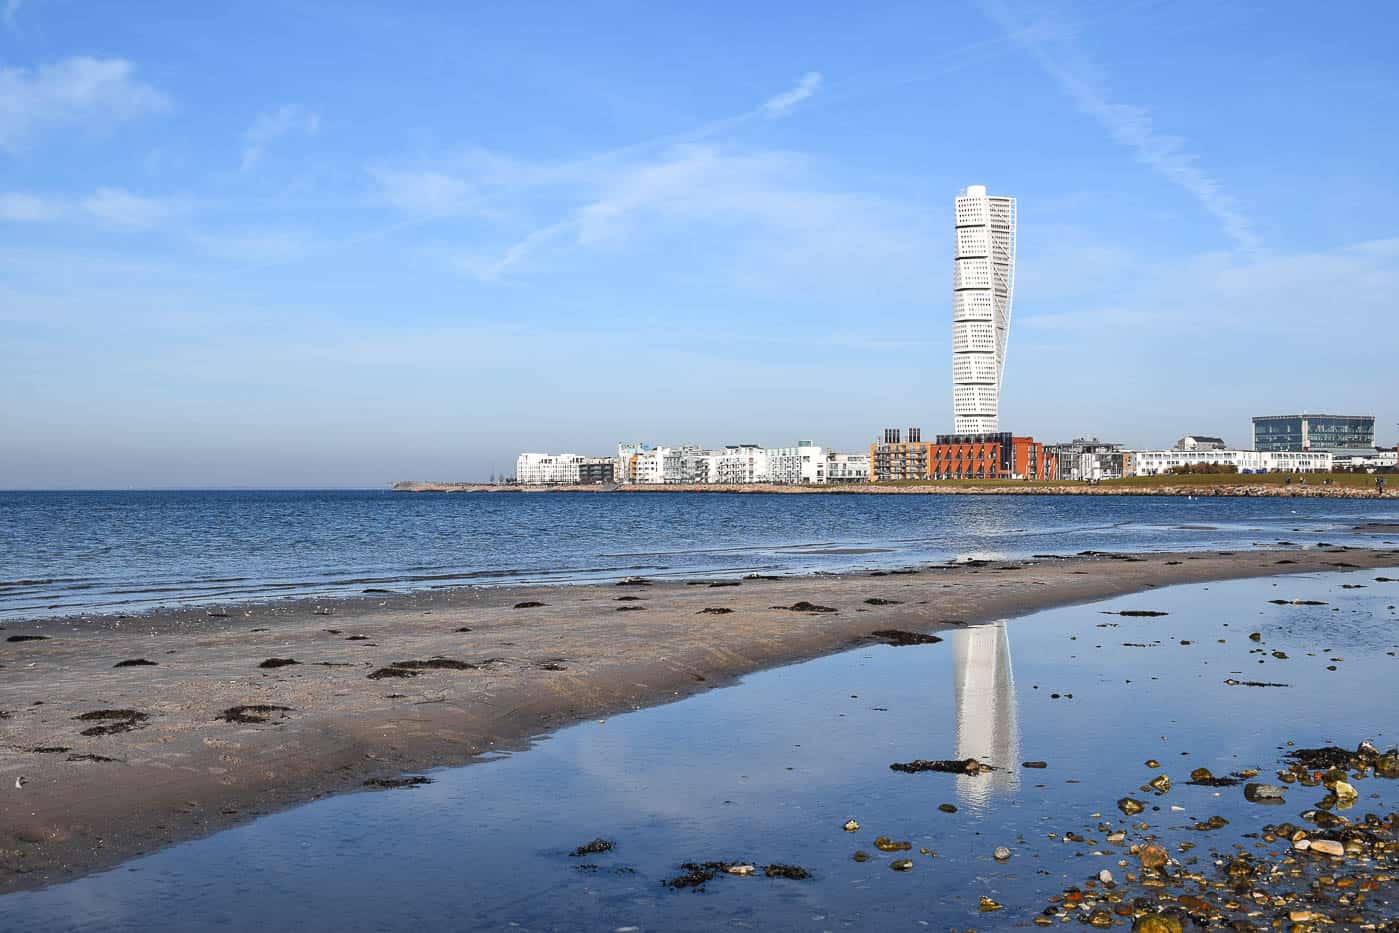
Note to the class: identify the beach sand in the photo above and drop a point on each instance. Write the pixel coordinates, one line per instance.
(103, 760)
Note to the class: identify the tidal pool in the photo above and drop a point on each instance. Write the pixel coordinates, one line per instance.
(769, 771)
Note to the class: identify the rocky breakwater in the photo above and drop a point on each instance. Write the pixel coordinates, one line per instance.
(1009, 488)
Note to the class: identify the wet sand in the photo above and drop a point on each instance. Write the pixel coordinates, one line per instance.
(391, 683)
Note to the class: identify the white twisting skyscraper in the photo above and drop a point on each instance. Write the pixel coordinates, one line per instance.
(983, 284)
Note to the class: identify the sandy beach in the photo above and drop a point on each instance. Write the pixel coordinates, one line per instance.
(123, 735)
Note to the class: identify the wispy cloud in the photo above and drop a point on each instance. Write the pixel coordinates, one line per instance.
(779, 105)
(17, 207)
(272, 125)
(778, 227)
(423, 192)
(110, 207)
(1129, 125)
(79, 92)
(117, 207)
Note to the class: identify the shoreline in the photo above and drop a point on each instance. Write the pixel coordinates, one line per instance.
(949, 488)
(476, 672)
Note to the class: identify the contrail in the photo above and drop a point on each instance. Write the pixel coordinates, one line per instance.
(1129, 125)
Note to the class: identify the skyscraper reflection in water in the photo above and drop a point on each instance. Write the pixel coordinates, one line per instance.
(987, 726)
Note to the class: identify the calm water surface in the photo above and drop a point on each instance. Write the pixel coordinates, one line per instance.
(68, 553)
(770, 769)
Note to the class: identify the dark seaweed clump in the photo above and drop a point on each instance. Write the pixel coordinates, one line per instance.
(901, 639)
(115, 720)
(28, 638)
(594, 847)
(714, 611)
(252, 713)
(135, 662)
(435, 664)
(528, 604)
(414, 781)
(278, 662)
(951, 766)
(804, 606)
(878, 601)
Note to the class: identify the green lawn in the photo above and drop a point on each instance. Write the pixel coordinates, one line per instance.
(1353, 480)
(1202, 480)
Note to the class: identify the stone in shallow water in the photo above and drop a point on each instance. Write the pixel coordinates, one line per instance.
(1257, 793)
(1001, 853)
(1130, 807)
(1153, 856)
(1328, 847)
(851, 826)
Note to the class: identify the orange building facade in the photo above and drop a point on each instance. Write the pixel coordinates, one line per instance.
(960, 456)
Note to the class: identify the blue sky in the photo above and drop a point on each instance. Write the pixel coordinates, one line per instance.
(305, 243)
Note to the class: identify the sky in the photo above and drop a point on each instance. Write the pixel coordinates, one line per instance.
(342, 243)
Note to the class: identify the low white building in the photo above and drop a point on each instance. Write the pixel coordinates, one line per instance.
(1378, 460)
(547, 469)
(1159, 462)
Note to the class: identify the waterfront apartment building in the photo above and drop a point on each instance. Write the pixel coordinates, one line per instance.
(597, 471)
(983, 287)
(1087, 459)
(1336, 433)
(548, 469)
(998, 455)
(1159, 462)
(847, 468)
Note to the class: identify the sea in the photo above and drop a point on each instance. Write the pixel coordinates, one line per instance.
(89, 553)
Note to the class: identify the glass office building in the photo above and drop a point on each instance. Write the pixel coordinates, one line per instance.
(1334, 433)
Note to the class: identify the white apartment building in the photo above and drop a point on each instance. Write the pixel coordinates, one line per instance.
(737, 463)
(847, 468)
(625, 452)
(804, 463)
(547, 469)
(659, 466)
(1157, 462)
(983, 286)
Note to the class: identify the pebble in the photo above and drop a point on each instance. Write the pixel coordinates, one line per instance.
(1105, 876)
(851, 826)
(1001, 853)
(901, 864)
(1154, 856)
(1328, 847)
(987, 905)
(1130, 807)
(740, 869)
(1264, 792)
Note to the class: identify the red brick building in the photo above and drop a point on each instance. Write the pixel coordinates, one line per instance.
(960, 456)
